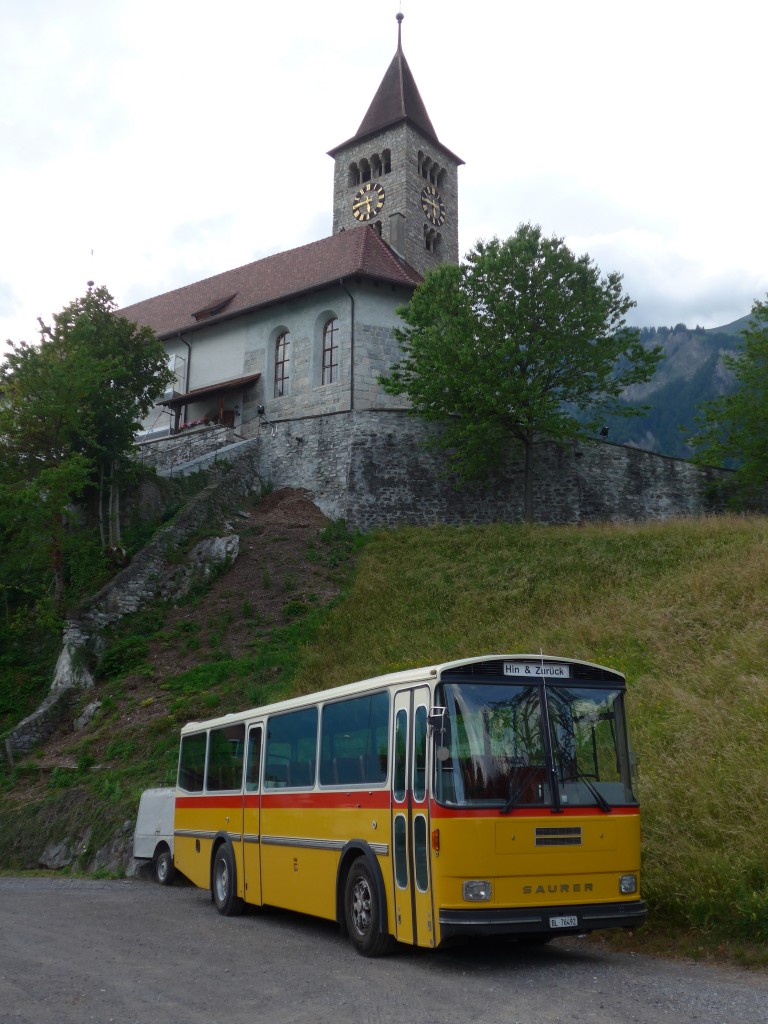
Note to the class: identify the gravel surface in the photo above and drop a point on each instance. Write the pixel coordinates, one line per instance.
(74, 951)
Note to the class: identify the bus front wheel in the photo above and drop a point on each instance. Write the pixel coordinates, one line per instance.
(363, 911)
(224, 883)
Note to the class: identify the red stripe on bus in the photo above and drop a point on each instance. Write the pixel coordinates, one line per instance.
(377, 799)
(438, 811)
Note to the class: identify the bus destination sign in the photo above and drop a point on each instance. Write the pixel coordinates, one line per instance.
(538, 669)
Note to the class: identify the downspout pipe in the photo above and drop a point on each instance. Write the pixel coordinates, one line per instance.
(187, 375)
(351, 346)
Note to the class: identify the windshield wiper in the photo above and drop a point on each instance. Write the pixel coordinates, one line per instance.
(600, 800)
(514, 794)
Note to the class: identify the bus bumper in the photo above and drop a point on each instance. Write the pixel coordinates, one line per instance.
(536, 920)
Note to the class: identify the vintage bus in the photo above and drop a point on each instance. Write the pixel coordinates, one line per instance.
(487, 796)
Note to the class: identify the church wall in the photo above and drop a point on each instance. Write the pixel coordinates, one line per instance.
(216, 353)
(375, 349)
(371, 469)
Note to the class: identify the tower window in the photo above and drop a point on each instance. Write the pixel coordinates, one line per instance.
(282, 364)
(354, 174)
(331, 351)
(365, 171)
(386, 159)
(432, 239)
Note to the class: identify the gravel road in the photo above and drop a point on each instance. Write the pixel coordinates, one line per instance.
(74, 951)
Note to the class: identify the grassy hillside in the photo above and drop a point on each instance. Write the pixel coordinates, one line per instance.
(679, 607)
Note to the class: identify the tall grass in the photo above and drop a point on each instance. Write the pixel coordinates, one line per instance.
(680, 607)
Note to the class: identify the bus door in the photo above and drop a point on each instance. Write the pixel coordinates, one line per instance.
(252, 817)
(410, 819)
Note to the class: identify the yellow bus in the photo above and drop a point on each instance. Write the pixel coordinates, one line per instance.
(486, 796)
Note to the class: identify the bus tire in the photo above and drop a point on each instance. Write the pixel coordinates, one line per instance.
(165, 872)
(363, 913)
(224, 882)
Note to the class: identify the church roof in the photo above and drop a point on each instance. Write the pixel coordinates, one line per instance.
(397, 99)
(359, 252)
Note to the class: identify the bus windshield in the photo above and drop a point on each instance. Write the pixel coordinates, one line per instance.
(540, 745)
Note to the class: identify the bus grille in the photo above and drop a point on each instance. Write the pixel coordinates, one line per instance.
(558, 836)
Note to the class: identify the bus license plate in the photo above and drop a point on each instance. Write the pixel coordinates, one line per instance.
(564, 922)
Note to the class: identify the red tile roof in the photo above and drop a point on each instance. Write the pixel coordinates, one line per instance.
(359, 252)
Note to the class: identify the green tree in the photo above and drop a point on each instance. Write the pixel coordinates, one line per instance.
(524, 341)
(71, 405)
(734, 427)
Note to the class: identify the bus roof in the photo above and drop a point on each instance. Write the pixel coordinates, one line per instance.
(410, 676)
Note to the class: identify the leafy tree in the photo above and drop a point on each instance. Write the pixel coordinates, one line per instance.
(734, 427)
(512, 345)
(71, 405)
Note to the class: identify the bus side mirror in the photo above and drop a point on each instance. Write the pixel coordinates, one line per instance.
(436, 718)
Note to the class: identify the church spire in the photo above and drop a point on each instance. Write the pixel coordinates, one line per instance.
(397, 99)
(396, 176)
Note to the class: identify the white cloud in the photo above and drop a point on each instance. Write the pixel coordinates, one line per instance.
(150, 144)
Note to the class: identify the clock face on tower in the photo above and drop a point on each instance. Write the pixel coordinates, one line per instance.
(432, 204)
(368, 200)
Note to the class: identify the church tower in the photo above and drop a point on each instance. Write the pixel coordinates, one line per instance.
(395, 175)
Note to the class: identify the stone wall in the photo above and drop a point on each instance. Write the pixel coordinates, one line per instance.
(373, 469)
(167, 453)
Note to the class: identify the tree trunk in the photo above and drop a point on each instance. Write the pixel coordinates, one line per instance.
(528, 478)
(115, 483)
(102, 536)
(57, 562)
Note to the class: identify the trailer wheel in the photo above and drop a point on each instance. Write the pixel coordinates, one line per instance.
(165, 872)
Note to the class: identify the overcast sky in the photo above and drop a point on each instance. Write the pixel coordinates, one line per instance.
(147, 144)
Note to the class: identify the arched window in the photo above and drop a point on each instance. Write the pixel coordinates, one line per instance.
(432, 239)
(282, 364)
(331, 351)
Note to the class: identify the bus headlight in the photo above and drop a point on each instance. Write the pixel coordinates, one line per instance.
(627, 884)
(476, 891)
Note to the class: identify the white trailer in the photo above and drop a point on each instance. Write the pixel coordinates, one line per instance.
(153, 838)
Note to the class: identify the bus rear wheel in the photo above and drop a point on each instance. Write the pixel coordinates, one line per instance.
(224, 883)
(363, 912)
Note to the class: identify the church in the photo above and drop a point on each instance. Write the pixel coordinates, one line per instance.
(277, 362)
(307, 332)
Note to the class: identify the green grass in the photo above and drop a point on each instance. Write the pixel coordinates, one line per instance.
(679, 607)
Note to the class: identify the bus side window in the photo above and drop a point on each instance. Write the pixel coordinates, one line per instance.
(353, 747)
(420, 754)
(192, 762)
(254, 760)
(225, 758)
(291, 747)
